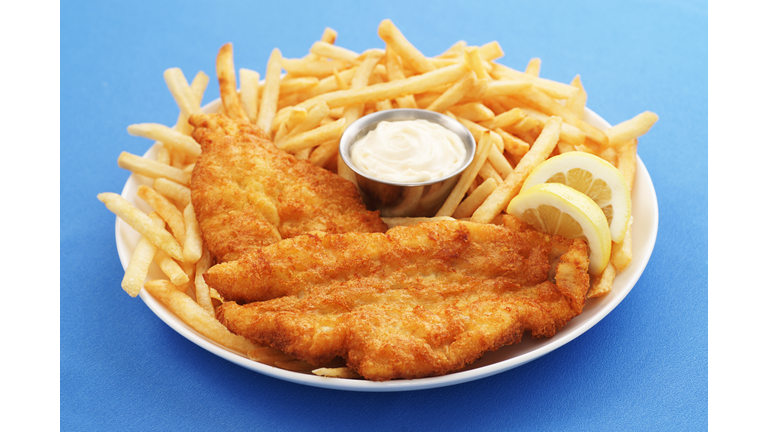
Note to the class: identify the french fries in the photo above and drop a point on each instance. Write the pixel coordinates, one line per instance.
(271, 92)
(138, 266)
(314, 137)
(473, 201)
(578, 102)
(181, 92)
(503, 194)
(339, 372)
(167, 210)
(410, 55)
(472, 111)
(518, 119)
(249, 93)
(177, 140)
(173, 191)
(631, 129)
(152, 168)
(225, 71)
(193, 242)
(194, 315)
(454, 94)
(602, 283)
(469, 174)
(202, 291)
(142, 223)
(167, 264)
(333, 52)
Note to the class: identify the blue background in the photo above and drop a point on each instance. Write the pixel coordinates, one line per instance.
(644, 367)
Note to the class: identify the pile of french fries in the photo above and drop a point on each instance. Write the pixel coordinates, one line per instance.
(518, 119)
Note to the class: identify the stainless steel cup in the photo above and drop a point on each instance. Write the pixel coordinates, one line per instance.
(405, 199)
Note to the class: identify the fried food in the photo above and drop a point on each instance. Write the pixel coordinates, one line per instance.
(418, 301)
(246, 193)
(443, 309)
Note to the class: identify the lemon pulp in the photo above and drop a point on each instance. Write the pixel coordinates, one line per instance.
(558, 209)
(594, 177)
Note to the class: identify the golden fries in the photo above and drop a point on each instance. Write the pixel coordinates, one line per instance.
(534, 67)
(554, 89)
(473, 201)
(491, 51)
(138, 266)
(173, 191)
(473, 60)
(339, 372)
(324, 153)
(469, 174)
(395, 72)
(225, 71)
(631, 129)
(454, 94)
(327, 50)
(505, 88)
(472, 111)
(249, 93)
(151, 168)
(142, 223)
(177, 140)
(181, 92)
(499, 163)
(167, 264)
(167, 210)
(504, 119)
(548, 105)
(271, 92)
(193, 243)
(194, 315)
(578, 102)
(503, 194)
(202, 291)
(390, 90)
(410, 55)
(314, 137)
(621, 254)
(602, 283)
(313, 68)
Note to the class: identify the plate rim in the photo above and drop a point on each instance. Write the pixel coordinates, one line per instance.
(459, 377)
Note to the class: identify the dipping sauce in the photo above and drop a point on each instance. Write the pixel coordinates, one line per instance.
(408, 151)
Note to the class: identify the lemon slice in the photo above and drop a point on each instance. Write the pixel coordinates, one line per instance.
(594, 177)
(561, 210)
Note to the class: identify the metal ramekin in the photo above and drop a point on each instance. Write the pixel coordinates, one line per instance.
(395, 199)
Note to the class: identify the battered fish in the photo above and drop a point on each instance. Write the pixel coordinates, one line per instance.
(247, 193)
(418, 301)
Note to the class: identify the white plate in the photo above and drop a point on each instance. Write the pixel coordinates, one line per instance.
(645, 214)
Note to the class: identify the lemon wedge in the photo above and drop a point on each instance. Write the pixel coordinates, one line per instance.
(557, 209)
(594, 177)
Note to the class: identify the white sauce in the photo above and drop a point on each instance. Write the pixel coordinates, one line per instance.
(408, 151)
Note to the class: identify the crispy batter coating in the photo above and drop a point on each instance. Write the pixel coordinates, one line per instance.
(418, 301)
(247, 193)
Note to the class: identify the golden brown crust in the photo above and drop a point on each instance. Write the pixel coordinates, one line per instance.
(417, 301)
(247, 193)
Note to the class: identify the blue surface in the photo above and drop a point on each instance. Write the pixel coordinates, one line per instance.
(644, 367)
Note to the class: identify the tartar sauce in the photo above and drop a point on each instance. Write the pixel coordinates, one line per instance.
(408, 151)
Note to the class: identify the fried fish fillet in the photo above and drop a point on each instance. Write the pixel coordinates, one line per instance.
(247, 193)
(418, 301)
